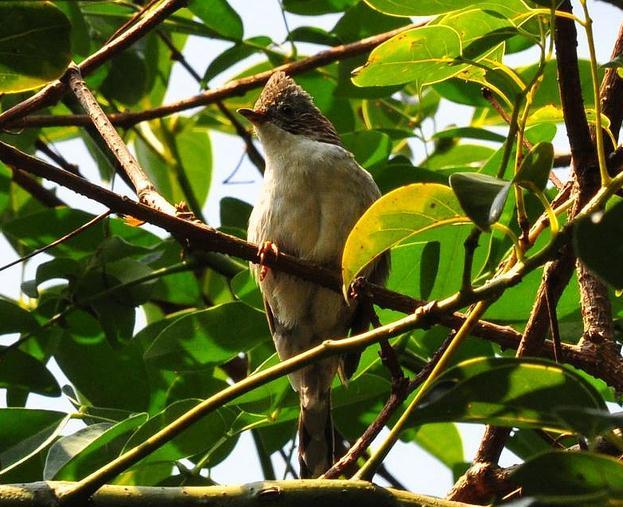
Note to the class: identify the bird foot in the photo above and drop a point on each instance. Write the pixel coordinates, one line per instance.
(266, 249)
(183, 211)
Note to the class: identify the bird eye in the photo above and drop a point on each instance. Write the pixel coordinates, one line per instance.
(287, 110)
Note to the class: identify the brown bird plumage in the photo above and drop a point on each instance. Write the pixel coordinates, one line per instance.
(314, 191)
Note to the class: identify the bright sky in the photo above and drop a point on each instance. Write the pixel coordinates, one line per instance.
(415, 468)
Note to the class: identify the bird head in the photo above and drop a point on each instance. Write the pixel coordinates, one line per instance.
(285, 105)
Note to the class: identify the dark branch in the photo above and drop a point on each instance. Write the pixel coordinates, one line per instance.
(233, 88)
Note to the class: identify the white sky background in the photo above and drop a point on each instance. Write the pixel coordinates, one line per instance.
(415, 468)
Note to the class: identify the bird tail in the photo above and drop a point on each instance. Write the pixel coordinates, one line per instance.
(316, 440)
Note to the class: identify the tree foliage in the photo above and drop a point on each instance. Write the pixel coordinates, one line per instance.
(473, 226)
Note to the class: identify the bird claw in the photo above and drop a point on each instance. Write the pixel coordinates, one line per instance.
(264, 251)
(183, 211)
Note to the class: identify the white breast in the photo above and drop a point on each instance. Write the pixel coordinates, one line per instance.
(313, 194)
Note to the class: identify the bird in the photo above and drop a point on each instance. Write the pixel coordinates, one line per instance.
(312, 195)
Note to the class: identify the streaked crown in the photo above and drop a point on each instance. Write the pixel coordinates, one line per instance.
(288, 106)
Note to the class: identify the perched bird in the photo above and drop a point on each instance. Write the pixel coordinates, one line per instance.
(313, 194)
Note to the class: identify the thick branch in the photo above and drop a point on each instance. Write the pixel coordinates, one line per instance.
(299, 493)
(54, 91)
(233, 88)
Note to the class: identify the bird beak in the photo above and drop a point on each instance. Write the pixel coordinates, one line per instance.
(254, 116)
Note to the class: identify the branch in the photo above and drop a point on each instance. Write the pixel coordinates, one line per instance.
(52, 92)
(143, 187)
(299, 493)
(400, 392)
(35, 189)
(233, 88)
(207, 239)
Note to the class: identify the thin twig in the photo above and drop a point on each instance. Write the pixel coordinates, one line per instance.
(56, 157)
(35, 189)
(62, 239)
(553, 326)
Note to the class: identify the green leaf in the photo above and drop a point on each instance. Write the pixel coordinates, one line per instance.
(202, 435)
(246, 290)
(590, 422)
(80, 41)
(394, 218)
(482, 197)
(15, 319)
(21, 370)
(100, 372)
(429, 7)
(429, 267)
(219, 16)
(195, 155)
(127, 79)
(67, 447)
(507, 392)
(25, 432)
(35, 45)
(208, 337)
(535, 167)
(594, 478)
(596, 241)
(360, 21)
(424, 55)
(469, 133)
(41, 228)
(442, 440)
(235, 212)
(313, 35)
(74, 457)
(235, 54)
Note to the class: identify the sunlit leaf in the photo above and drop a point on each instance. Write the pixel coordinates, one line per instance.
(429, 7)
(535, 167)
(396, 217)
(200, 436)
(24, 433)
(508, 392)
(592, 478)
(219, 16)
(425, 55)
(77, 455)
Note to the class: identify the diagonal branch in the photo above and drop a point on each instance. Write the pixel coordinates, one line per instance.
(233, 88)
(143, 187)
